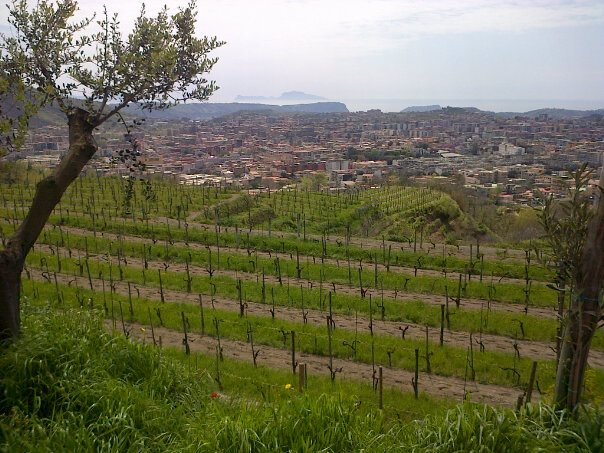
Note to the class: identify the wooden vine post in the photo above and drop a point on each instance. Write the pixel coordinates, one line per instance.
(415, 380)
(381, 386)
(294, 362)
(531, 383)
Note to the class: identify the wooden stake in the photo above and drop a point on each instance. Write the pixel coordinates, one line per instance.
(442, 324)
(415, 380)
(529, 390)
(152, 329)
(203, 320)
(161, 287)
(381, 386)
(428, 353)
(294, 363)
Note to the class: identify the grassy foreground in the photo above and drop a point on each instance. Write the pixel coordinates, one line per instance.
(68, 385)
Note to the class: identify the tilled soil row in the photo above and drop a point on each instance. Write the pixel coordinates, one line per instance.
(449, 387)
(337, 288)
(531, 349)
(462, 251)
(303, 258)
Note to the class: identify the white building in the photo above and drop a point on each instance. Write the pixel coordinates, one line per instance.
(507, 149)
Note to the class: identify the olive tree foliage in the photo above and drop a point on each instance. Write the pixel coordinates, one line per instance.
(158, 64)
(575, 234)
(566, 223)
(90, 70)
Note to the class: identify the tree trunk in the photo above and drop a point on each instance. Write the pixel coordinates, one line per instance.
(560, 329)
(584, 314)
(580, 328)
(47, 196)
(11, 266)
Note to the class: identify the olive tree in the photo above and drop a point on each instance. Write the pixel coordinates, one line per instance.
(91, 71)
(575, 233)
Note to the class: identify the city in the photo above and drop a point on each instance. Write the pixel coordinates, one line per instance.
(519, 159)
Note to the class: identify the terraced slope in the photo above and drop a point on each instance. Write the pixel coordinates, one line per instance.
(477, 319)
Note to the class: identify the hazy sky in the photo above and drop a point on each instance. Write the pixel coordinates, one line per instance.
(423, 49)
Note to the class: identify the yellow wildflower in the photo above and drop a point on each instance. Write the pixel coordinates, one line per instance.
(288, 386)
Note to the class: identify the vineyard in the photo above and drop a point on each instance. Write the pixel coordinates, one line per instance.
(351, 212)
(259, 292)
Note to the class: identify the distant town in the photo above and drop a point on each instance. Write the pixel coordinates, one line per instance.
(516, 160)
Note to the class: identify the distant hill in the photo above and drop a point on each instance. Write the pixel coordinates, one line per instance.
(52, 115)
(300, 96)
(288, 96)
(421, 108)
(551, 112)
(554, 113)
(564, 113)
(200, 111)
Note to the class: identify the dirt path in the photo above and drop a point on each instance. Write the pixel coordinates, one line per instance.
(318, 365)
(531, 349)
(338, 288)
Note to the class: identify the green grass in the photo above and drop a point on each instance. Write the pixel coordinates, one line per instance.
(540, 295)
(445, 361)
(68, 385)
(91, 194)
(417, 312)
(310, 247)
(359, 211)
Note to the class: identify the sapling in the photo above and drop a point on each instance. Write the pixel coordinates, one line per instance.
(126, 331)
(373, 369)
(403, 331)
(304, 312)
(250, 335)
(219, 347)
(158, 313)
(272, 310)
(161, 287)
(188, 279)
(185, 340)
(239, 286)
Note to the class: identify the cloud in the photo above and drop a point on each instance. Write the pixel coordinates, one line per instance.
(333, 46)
(387, 23)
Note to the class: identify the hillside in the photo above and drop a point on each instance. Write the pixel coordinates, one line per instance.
(51, 115)
(70, 385)
(421, 108)
(288, 96)
(200, 111)
(182, 317)
(553, 113)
